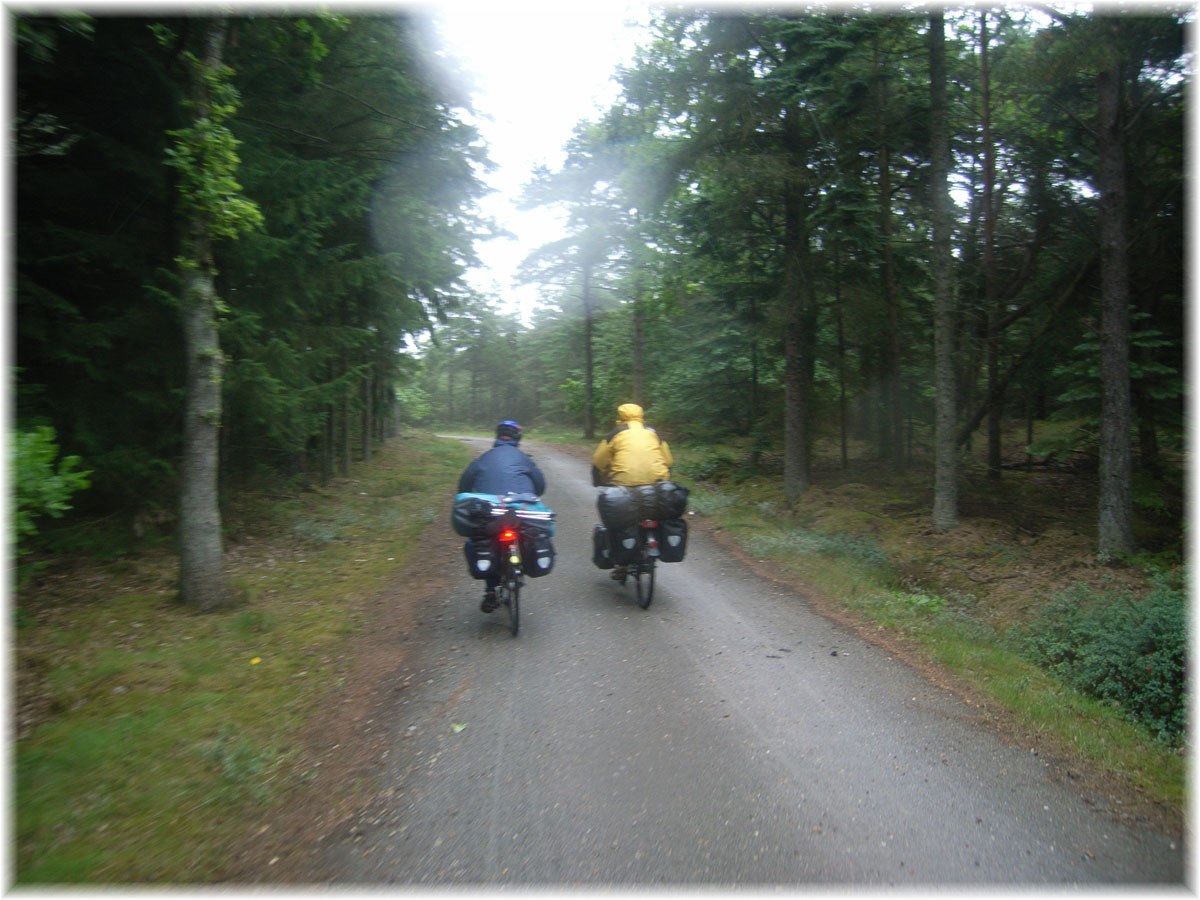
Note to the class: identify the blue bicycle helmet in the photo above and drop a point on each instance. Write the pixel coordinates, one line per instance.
(509, 429)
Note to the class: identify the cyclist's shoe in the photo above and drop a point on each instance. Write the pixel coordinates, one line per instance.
(619, 573)
(489, 603)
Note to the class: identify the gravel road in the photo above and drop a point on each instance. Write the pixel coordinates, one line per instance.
(725, 736)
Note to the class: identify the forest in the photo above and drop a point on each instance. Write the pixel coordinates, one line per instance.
(904, 288)
(240, 245)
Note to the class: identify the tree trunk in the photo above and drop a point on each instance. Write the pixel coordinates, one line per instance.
(893, 394)
(945, 487)
(589, 366)
(344, 435)
(202, 583)
(840, 317)
(752, 411)
(795, 462)
(1115, 532)
(368, 414)
(995, 404)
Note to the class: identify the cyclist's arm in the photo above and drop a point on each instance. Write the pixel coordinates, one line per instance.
(466, 479)
(601, 461)
(537, 478)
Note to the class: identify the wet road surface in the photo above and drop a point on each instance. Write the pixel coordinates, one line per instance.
(725, 736)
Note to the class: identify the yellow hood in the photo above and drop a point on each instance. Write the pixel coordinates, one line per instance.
(629, 412)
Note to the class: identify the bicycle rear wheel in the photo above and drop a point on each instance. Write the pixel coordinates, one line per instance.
(643, 579)
(508, 592)
(514, 604)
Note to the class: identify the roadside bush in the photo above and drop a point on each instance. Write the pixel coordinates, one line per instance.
(1121, 649)
(44, 484)
(704, 465)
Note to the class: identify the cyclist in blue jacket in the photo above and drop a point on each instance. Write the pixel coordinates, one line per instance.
(503, 469)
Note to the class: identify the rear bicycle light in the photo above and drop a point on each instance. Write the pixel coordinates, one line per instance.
(651, 528)
(508, 540)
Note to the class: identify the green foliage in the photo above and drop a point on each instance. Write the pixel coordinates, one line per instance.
(1114, 647)
(703, 464)
(334, 168)
(413, 406)
(44, 483)
(1064, 436)
(40, 40)
(205, 155)
(921, 602)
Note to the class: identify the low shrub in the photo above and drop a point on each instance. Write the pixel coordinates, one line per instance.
(704, 466)
(1118, 648)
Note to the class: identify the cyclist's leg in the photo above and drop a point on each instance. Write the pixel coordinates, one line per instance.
(489, 602)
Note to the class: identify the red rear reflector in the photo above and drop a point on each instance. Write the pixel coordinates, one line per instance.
(508, 535)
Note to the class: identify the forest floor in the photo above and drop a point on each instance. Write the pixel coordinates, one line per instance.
(1021, 541)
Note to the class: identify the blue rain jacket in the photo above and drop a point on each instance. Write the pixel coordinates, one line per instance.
(503, 469)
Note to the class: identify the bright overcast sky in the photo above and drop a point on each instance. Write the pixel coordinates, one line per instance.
(540, 68)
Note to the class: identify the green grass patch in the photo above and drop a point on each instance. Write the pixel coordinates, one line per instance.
(158, 730)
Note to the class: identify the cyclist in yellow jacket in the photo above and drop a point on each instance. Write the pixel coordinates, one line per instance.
(633, 453)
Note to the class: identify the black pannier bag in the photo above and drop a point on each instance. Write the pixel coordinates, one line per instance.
(601, 553)
(537, 551)
(481, 557)
(623, 544)
(646, 498)
(672, 500)
(621, 506)
(672, 539)
(618, 507)
(471, 515)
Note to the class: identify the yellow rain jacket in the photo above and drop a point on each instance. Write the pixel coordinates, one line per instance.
(632, 453)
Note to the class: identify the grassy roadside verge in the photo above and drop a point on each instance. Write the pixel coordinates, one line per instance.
(148, 733)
